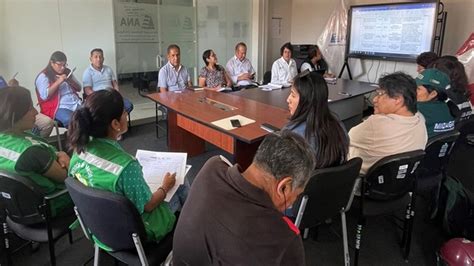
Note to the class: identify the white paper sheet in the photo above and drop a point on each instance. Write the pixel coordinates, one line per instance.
(156, 164)
(227, 125)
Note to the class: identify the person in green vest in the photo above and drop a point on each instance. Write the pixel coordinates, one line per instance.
(431, 96)
(99, 161)
(26, 154)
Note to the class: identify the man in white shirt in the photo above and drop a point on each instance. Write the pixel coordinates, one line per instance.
(284, 68)
(239, 67)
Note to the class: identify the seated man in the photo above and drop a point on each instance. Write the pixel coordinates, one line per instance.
(101, 77)
(43, 124)
(173, 76)
(395, 126)
(284, 68)
(431, 97)
(245, 223)
(239, 67)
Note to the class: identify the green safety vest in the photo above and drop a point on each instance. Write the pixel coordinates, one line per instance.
(100, 166)
(11, 149)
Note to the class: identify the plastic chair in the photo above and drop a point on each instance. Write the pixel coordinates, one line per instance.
(388, 187)
(329, 193)
(28, 213)
(115, 222)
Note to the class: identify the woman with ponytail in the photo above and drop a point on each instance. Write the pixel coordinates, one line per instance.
(26, 154)
(312, 119)
(93, 133)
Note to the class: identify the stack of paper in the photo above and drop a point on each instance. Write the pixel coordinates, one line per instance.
(270, 87)
(225, 89)
(156, 164)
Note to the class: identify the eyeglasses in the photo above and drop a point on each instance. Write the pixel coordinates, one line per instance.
(62, 65)
(380, 93)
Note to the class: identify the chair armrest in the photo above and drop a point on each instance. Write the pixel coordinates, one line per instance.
(56, 194)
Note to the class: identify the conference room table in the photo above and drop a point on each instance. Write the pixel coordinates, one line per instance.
(191, 113)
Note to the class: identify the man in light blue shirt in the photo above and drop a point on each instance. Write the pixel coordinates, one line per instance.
(239, 67)
(101, 77)
(173, 76)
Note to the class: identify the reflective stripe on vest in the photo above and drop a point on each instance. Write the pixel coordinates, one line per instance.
(9, 154)
(103, 164)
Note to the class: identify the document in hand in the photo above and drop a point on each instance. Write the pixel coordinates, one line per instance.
(156, 164)
(270, 87)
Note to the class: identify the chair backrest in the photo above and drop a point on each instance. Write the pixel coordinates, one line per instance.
(329, 191)
(110, 217)
(22, 199)
(392, 176)
(437, 153)
(267, 77)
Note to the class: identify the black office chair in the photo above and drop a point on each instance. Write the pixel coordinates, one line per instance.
(328, 193)
(28, 213)
(435, 163)
(267, 77)
(460, 163)
(388, 187)
(115, 222)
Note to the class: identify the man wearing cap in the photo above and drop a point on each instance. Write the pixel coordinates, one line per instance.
(431, 95)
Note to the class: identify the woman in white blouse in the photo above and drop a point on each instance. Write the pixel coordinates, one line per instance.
(284, 69)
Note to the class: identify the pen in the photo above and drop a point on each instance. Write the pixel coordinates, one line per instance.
(14, 76)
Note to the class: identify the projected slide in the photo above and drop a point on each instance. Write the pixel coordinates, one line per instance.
(394, 31)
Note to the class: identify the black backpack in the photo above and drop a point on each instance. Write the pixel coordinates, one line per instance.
(454, 209)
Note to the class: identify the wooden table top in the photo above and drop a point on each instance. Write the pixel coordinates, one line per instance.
(196, 106)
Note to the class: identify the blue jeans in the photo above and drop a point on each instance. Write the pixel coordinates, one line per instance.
(177, 201)
(127, 104)
(63, 116)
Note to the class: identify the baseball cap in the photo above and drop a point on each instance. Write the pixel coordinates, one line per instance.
(434, 78)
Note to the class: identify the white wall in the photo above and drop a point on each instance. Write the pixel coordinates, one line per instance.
(460, 24)
(309, 18)
(278, 9)
(33, 30)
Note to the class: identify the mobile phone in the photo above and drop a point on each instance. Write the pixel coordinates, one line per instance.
(269, 128)
(235, 123)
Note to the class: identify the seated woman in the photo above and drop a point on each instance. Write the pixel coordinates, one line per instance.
(93, 133)
(458, 94)
(312, 119)
(431, 96)
(213, 76)
(424, 60)
(316, 62)
(27, 154)
(57, 89)
(284, 68)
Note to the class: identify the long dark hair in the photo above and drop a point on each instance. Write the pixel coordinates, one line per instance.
(57, 56)
(332, 141)
(93, 118)
(15, 102)
(455, 70)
